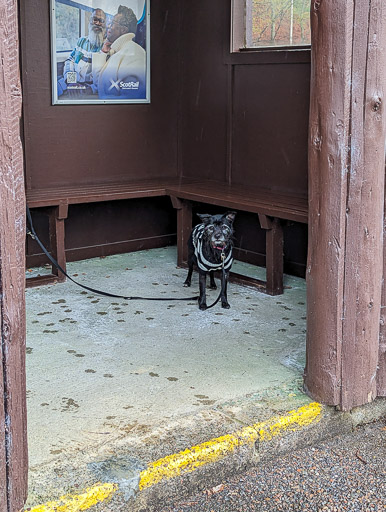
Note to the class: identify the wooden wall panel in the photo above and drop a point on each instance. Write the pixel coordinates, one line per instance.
(13, 433)
(204, 89)
(270, 126)
(83, 144)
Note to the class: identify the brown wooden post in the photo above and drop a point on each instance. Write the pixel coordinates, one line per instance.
(346, 189)
(381, 373)
(13, 434)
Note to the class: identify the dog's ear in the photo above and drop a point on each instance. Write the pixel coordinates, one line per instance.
(230, 216)
(205, 217)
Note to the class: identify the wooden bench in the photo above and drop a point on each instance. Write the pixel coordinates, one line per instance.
(56, 202)
(271, 209)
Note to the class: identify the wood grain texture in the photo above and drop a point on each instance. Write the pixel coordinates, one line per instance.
(346, 182)
(364, 221)
(13, 434)
(381, 373)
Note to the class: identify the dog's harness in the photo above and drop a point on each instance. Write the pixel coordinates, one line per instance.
(202, 262)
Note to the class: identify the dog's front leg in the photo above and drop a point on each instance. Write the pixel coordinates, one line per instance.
(224, 285)
(202, 298)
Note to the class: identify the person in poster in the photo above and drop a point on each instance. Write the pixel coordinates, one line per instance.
(119, 71)
(77, 72)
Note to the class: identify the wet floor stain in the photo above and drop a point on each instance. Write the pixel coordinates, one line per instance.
(69, 404)
(71, 351)
(28, 350)
(89, 370)
(172, 379)
(46, 331)
(44, 313)
(101, 313)
(108, 375)
(79, 355)
(56, 452)
(60, 301)
(152, 374)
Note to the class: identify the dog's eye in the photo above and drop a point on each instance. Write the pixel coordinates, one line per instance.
(210, 228)
(225, 228)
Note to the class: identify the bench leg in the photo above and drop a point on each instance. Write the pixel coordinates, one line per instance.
(274, 253)
(184, 228)
(57, 216)
(57, 237)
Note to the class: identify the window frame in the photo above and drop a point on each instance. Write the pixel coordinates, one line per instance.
(241, 34)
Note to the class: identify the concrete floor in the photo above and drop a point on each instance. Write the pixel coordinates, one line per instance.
(100, 370)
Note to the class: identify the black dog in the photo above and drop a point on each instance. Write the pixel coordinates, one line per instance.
(210, 249)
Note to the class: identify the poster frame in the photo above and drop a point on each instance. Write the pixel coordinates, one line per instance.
(97, 101)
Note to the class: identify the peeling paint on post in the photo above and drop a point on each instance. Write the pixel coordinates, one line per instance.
(13, 432)
(346, 189)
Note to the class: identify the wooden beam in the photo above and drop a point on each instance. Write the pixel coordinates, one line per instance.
(381, 373)
(13, 432)
(346, 194)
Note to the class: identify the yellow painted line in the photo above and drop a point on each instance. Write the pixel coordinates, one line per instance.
(76, 503)
(192, 458)
(216, 449)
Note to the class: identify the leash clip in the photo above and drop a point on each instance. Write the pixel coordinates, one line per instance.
(29, 232)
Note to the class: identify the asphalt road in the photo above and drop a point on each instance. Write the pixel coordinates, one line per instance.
(347, 473)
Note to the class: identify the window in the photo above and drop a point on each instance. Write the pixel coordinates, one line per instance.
(270, 24)
(67, 26)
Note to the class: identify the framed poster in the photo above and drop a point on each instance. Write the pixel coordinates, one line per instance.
(100, 51)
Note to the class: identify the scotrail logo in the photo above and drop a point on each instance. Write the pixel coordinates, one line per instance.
(129, 85)
(123, 85)
(114, 85)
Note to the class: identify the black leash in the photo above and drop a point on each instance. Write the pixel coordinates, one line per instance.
(31, 231)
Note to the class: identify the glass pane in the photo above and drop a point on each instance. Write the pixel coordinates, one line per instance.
(278, 23)
(67, 26)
